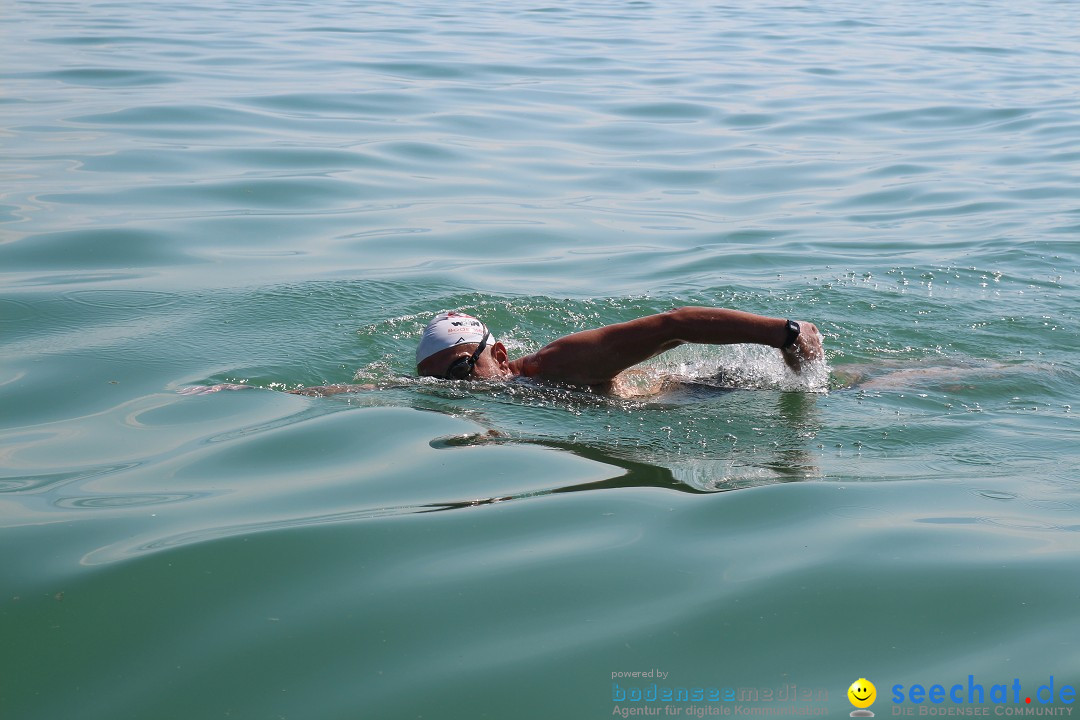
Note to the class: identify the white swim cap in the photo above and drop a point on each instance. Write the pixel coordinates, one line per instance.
(448, 329)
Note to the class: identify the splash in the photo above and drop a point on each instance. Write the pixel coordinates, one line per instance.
(747, 367)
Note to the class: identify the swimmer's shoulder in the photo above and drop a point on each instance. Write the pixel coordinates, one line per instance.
(528, 366)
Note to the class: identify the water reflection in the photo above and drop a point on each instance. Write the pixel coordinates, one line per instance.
(698, 459)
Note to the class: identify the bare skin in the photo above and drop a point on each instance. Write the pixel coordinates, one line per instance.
(324, 390)
(594, 358)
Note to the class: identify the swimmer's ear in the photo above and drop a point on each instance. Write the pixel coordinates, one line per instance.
(498, 351)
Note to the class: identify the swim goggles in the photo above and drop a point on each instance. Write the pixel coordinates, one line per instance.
(463, 367)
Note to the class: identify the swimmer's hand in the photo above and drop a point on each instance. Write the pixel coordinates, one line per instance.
(807, 347)
(316, 391)
(324, 390)
(207, 389)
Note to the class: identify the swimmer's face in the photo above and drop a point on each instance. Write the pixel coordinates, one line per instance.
(862, 693)
(490, 365)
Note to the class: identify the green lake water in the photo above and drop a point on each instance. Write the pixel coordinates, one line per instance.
(282, 194)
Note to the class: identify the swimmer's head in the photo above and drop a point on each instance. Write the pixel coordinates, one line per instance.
(457, 346)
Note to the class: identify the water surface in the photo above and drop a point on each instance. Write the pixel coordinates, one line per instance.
(281, 194)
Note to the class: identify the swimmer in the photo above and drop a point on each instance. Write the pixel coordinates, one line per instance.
(457, 346)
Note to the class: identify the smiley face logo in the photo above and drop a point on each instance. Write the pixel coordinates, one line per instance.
(862, 693)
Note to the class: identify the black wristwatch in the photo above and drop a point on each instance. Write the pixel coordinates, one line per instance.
(792, 335)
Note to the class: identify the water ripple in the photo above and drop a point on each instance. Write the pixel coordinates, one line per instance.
(279, 195)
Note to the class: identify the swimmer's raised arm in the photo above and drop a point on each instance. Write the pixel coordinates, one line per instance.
(457, 346)
(594, 357)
